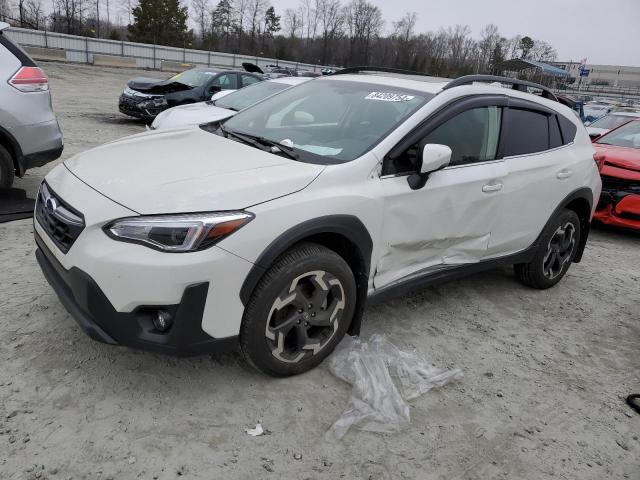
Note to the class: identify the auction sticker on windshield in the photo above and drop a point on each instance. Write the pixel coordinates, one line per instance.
(389, 97)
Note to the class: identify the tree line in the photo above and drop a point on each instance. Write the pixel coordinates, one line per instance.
(327, 32)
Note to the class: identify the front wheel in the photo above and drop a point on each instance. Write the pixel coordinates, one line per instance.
(299, 311)
(557, 248)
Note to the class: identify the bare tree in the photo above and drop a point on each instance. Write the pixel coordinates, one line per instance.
(293, 23)
(402, 36)
(201, 10)
(331, 22)
(5, 10)
(255, 13)
(34, 13)
(543, 52)
(364, 23)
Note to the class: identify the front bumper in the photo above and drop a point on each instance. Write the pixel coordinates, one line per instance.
(88, 305)
(625, 213)
(40, 143)
(619, 203)
(131, 106)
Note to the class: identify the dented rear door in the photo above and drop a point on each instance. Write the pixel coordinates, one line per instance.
(448, 222)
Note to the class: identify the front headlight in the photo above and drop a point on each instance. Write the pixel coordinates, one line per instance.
(178, 233)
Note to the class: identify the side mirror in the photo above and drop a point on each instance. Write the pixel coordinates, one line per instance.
(434, 157)
(214, 89)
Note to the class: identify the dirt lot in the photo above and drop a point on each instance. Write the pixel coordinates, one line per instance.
(545, 372)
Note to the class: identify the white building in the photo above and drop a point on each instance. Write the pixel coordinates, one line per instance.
(612, 75)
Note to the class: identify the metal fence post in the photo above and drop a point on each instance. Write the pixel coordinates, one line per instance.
(122, 49)
(46, 42)
(209, 58)
(154, 56)
(86, 48)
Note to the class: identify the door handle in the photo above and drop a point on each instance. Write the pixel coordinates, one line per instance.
(492, 187)
(564, 173)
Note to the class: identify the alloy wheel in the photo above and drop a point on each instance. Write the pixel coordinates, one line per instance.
(305, 316)
(559, 250)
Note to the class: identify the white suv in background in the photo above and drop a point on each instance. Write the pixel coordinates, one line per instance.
(275, 229)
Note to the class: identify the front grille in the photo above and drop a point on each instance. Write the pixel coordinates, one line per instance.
(60, 220)
(615, 184)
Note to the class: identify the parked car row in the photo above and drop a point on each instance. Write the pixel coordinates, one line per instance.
(269, 227)
(146, 97)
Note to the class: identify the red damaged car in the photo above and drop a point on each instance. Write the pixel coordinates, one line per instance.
(618, 158)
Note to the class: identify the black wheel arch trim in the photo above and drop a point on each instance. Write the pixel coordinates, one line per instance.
(347, 226)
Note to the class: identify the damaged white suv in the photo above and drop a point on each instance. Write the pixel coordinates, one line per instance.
(272, 230)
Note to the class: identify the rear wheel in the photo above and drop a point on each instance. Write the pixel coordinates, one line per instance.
(7, 170)
(299, 311)
(558, 245)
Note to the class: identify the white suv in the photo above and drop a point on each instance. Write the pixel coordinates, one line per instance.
(273, 230)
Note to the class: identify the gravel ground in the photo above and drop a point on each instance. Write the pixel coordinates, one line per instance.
(546, 373)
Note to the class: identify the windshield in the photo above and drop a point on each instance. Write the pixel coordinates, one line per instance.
(249, 95)
(193, 78)
(611, 121)
(625, 136)
(329, 121)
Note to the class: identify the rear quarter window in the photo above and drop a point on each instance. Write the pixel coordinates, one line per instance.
(555, 137)
(528, 132)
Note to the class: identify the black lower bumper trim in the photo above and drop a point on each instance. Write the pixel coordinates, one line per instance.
(92, 310)
(39, 159)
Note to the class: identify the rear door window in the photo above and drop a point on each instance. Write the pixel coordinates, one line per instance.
(226, 81)
(248, 79)
(527, 132)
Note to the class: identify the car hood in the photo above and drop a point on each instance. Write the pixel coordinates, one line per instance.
(619, 161)
(191, 114)
(188, 170)
(157, 86)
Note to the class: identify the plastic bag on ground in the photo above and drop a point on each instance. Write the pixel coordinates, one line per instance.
(377, 404)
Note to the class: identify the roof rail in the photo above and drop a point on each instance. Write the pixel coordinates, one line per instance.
(349, 70)
(516, 84)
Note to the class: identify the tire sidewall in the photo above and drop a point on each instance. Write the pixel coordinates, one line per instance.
(7, 172)
(253, 339)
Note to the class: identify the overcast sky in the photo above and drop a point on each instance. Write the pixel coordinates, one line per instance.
(603, 31)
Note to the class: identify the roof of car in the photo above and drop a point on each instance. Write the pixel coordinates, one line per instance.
(626, 114)
(290, 80)
(431, 85)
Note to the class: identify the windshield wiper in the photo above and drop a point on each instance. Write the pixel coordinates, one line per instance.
(262, 143)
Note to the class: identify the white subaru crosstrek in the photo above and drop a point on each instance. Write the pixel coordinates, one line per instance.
(273, 230)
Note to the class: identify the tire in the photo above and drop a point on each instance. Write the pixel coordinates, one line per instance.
(299, 311)
(7, 170)
(557, 248)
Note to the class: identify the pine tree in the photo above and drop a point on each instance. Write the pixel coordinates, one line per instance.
(161, 22)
